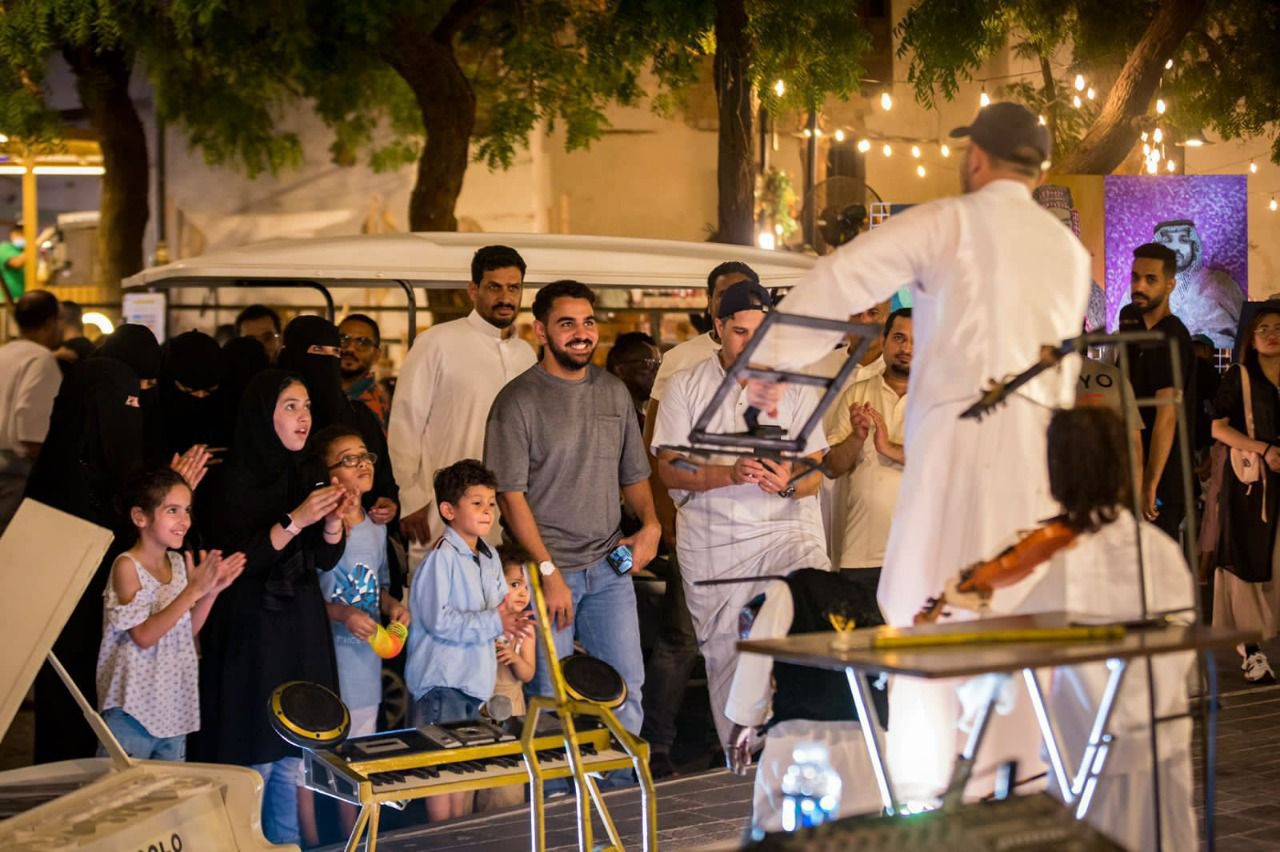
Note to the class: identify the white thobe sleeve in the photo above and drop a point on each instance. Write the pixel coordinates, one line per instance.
(752, 689)
(406, 433)
(856, 276)
(675, 420)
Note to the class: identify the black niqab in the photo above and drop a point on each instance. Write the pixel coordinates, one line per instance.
(194, 361)
(134, 345)
(321, 373)
(242, 359)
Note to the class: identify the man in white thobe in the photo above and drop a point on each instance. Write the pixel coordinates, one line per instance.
(446, 386)
(993, 277)
(735, 517)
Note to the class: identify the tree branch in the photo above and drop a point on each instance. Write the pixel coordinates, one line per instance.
(459, 15)
(1115, 132)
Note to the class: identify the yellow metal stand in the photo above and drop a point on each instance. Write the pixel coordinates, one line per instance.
(586, 789)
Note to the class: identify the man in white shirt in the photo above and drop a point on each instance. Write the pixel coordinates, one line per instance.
(736, 517)
(866, 449)
(676, 650)
(993, 277)
(446, 386)
(29, 381)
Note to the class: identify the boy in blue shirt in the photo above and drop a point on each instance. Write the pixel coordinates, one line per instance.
(456, 602)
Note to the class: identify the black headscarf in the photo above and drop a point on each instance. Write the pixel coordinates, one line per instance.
(261, 484)
(321, 373)
(94, 442)
(194, 361)
(136, 346)
(242, 359)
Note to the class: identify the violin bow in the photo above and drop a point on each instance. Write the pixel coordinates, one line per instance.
(997, 392)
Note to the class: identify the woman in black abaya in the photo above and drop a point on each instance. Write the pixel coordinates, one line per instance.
(94, 443)
(311, 349)
(270, 626)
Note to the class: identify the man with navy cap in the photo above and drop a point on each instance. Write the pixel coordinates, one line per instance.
(993, 278)
(736, 517)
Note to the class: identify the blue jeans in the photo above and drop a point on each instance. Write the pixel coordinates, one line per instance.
(605, 622)
(280, 798)
(444, 704)
(138, 742)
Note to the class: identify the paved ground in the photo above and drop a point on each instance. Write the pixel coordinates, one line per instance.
(712, 809)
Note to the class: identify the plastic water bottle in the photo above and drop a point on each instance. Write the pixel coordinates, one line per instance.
(810, 788)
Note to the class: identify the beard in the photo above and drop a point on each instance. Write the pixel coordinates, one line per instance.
(1149, 305)
(899, 371)
(570, 360)
(500, 322)
(352, 372)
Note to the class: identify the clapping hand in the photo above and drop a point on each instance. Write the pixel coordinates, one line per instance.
(515, 623)
(319, 503)
(192, 465)
(862, 423)
(506, 653)
(213, 572)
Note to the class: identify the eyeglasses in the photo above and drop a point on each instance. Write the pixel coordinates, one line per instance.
(355, 460)
(266, 336)
(364, 344)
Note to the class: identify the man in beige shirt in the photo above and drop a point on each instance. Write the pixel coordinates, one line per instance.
(866, 447)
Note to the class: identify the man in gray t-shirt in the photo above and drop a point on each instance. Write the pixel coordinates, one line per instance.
(563, 440)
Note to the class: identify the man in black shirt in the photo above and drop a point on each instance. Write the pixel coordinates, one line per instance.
(1151, 283)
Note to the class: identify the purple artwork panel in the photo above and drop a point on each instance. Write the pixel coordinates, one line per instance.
(1204, 219)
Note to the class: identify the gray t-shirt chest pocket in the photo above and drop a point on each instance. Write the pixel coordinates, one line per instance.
(608, 437)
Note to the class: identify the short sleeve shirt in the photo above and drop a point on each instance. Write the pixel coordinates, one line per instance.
(29, 382)
(1151, 371)
(569, 446)
(1099, 384)
(357, 580)
(14, 279)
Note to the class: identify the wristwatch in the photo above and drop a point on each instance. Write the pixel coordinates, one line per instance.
(287, 524)
(546, 568)
(788, 492)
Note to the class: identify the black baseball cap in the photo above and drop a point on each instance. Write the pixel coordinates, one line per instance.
(1011, 132)
(744, 296)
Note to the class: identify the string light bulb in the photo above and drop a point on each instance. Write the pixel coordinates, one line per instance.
(1272, 205)
(1075, 101)
(887, 150)
(1253, 167)
(817, 131)
(945, 150)
(864, 145)
(1146, 149)
(1168, 65)
(779, 88)
(920, 170)
(915, 151)
(1153, 166)
(984, 100)
(1079, 82)
(886, 101)
(1043, 120)
(1145, 136)
(1160, 106)
(807, 133)
(839, 135)
(1171, 166)
(1158, 136)
(1091, 94)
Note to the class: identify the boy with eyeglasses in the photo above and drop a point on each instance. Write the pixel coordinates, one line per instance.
(361, 342)
(356, 590)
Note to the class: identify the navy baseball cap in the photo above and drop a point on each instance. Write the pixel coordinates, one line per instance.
(1011, 132)
(744, 296)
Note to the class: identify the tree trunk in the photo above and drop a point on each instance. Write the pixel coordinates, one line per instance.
(102, 81)
(428, 64)
(1116, 130)
(734, 178)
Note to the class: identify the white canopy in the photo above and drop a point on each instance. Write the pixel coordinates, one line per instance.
(444, 260)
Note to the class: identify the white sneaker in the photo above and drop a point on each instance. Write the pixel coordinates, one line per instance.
(1257, 669)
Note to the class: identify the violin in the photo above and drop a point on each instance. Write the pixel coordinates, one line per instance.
(973, 587)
